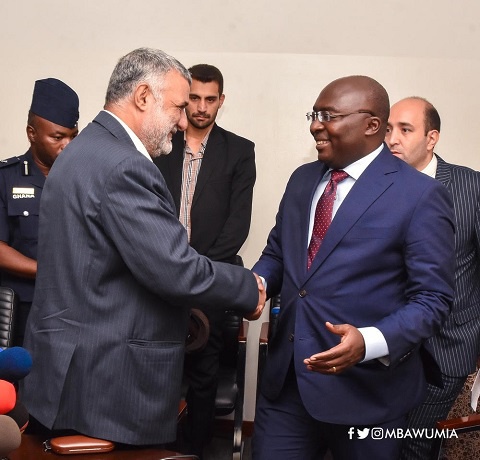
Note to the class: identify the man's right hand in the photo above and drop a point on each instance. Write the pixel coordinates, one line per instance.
(262, 298)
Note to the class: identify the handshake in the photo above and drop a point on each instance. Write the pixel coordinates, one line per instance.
(262, 298)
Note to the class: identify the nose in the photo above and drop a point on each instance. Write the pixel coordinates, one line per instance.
(183, 122)
(315, 126)
(65, 142)
(201, 106)
(391, 138)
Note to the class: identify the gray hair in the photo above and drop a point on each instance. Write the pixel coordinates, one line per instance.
(143, 65)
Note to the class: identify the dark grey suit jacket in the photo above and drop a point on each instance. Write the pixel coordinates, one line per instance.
(457, 345)
(116, 277)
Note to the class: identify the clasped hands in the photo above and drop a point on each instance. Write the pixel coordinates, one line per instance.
(262, 298)
(347, 353)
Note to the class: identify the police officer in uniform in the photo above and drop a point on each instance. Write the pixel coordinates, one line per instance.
(52, 124)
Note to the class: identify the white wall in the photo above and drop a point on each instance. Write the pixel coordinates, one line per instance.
(276, 56)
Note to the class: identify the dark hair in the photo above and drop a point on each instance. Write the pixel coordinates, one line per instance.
(31, 119)
(207, 73)
(432, 118)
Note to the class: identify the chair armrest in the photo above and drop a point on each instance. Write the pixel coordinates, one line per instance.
(238, 414)
(467, 423)
(460, 425)
(264, 332)
(262, 352)
(243, 331)
(182, 409)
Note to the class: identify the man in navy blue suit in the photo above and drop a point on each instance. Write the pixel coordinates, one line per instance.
(413, 131)
(345, 364)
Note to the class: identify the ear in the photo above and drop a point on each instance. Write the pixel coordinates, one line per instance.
(31, 133)
(432, 138)
(373, 126)
(143, 96)
(222, 98)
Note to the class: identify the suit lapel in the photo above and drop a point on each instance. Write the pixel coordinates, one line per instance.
(298, 221)
(112, 125)
(175, 167)
(215, 148)
(443, 173)
(378, 176)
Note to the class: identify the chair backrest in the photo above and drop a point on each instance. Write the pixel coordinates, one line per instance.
(8, 305)
(231, 326)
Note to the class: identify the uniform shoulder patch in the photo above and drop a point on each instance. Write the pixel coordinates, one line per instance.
(9, 161)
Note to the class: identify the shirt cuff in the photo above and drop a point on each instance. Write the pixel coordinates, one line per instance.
(375, 345)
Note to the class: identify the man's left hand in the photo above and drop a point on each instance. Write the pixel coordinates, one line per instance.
(347, 353)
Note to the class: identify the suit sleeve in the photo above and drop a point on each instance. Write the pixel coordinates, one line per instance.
(237, 225)
(429, 256)
(138, 215)
(270, 264)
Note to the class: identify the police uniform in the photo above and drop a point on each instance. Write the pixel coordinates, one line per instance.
(21, 185)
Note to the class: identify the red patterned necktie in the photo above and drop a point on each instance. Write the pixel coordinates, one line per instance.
(323, 214)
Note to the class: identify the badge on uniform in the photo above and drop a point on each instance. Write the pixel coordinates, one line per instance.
(23, 192)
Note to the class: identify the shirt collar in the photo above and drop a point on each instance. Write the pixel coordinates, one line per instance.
(137, 142)
(356, 169)
(431, 168)
(203, 143)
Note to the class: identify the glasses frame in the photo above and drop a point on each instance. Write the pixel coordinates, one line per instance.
(325, 115)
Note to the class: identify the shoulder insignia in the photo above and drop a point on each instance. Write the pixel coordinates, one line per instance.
(9, 161)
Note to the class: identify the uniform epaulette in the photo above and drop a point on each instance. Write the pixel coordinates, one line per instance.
(9, 161)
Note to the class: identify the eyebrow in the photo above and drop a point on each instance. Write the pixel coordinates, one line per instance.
(180, 105)
(208, 96)
(325, 109)
(405, 124)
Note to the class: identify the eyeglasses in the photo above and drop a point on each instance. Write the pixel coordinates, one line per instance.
(324, 115)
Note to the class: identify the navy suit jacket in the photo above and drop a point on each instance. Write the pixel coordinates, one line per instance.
(222, 204)
(457, 346)
(116, 277)
(387, 261)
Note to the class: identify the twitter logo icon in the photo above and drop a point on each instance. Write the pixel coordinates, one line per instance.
(362, 434)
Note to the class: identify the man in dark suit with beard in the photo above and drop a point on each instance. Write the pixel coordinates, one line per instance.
(116, 275)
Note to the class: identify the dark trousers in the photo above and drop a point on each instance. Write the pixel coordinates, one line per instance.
(436, 407)
(284, 430)
(21, 316)
(201, 375)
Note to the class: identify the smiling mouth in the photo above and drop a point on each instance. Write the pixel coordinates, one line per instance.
(322, 142)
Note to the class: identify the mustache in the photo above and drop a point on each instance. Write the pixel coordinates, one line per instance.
(198, 114)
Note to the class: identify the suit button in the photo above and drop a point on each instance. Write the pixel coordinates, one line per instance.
(302, 293)
(291, 337)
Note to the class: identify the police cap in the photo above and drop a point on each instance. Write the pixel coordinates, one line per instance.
(56, 102)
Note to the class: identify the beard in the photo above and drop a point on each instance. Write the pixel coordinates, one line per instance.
(156, 136)
(209, 119)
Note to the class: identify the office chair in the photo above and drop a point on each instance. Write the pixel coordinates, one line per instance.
(267, 330)
(8, 304)
(231, 378)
